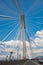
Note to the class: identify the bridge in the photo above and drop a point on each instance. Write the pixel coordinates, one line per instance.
(21, 29)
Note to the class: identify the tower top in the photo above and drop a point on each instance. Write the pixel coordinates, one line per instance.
(23, 20)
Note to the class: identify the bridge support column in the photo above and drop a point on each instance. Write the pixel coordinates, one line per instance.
(23, 27)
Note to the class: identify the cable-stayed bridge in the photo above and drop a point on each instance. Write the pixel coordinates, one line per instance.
(21, 27)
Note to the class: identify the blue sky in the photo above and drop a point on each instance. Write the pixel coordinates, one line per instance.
(10, 27)
(33, 11)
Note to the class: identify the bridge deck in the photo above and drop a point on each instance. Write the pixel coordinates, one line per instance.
(20, 62)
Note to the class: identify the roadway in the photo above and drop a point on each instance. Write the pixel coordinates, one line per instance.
(31, 62)
(20, 62)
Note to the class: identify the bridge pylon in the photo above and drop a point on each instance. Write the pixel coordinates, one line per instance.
(23, 27)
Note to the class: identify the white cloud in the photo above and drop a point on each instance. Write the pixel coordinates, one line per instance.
(39, 38)
(14, 45)
(39, 34)
(11, 45)
(2, 57)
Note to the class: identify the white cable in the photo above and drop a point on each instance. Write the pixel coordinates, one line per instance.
(17, 5)
(5, 6)
(3, 30)
(36, 17)
(30, 40)
(7, 17)
(35, 26)
(9, 33)
(39, 22)
(8, 23)
(34, 4)
(18, 33)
